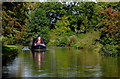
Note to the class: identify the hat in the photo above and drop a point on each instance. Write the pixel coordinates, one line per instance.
(36, 34)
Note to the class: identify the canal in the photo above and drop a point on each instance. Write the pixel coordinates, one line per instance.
(61, 62)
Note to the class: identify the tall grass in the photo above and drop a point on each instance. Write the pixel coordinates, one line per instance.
(87, 40)
(79, 41)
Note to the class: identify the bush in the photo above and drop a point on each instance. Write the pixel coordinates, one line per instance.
(78, 45)
(109, 50)
(62, 41)
(6, 40)
(72, 40)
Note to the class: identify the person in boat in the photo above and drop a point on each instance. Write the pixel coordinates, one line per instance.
(43, 39)
(34, 39)
(31, 41)
(39, 40)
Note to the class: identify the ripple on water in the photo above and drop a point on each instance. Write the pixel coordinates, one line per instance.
(42, 75)
(69, 73)
(98, 74)
(40, 70)
(93, 68)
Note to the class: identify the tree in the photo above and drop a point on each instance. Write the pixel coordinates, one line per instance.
(62, 26)
(14, 19)
(39, 24)
(110, 26)
(54, 10)
(82, 16)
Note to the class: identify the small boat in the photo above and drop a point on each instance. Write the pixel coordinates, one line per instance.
(37, 43)
(39, 46)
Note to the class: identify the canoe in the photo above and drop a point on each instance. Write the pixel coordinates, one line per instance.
(39, 46)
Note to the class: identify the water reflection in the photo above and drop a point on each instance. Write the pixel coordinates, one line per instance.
(38, 57)
(110, 66)
(72, 63)
(62, 62)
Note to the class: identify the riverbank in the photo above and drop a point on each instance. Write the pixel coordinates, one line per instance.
(90, 41)
(87, 40)
(9, 52)
(10, 49)
(7, 48)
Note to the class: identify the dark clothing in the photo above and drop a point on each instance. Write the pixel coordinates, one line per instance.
(34, 40)
(43, 39)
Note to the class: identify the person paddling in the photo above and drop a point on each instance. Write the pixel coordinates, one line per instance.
(35, 39)
(40, 40)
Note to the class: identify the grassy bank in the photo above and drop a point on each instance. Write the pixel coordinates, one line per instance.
(10, 50)
(80, 41)
(89, 41)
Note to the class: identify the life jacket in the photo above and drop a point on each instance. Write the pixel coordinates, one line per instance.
(39, 39)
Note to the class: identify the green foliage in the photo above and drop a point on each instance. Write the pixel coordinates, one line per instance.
(54, 10)
(87, 40)
(114, 5)
(40, 24)
(109, 49)
(8, 40)
(72, 40)
(62, 41)
(4, 40)
(13, 18)
(74, 24)
(62, 26)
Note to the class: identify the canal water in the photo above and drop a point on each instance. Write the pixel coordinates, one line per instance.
(61, 62)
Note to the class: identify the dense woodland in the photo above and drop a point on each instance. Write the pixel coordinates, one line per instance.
(78, 24)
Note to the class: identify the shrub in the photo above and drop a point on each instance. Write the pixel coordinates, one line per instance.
(62, 41)
(72, 40)
(109, 49)
(4, 40)
(7, 40)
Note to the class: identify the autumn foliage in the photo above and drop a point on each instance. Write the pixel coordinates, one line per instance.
(110, 26)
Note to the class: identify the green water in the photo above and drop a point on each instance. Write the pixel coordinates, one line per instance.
(62, 62)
